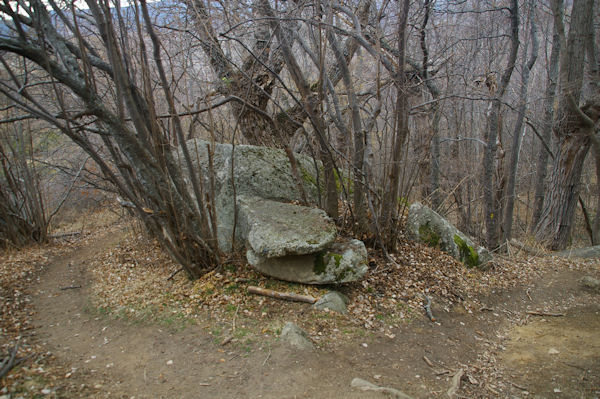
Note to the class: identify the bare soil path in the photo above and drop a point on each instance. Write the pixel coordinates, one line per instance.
(504, 351)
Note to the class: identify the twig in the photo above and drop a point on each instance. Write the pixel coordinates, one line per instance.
(9, 362)
(174, 274)
(202, 384)
(364, 385)
(63, 235)
(227, 340)
(267, 358)
(70, 287)
(428, 361)
(492, 390)
(528, 296)
(538, 313)
(455, 383)
(234, 317)
(427, 308)
(486, 309)
(519, 386)
(575, 366)
(288, 296)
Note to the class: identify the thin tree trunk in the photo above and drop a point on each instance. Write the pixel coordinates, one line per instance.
(390, 206)
(492, 213)
(549, 96)
(518, 132)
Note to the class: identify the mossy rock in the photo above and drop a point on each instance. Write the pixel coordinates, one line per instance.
(467, 253)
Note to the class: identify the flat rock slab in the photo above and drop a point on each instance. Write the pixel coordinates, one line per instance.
(342, 262)
(277, 229)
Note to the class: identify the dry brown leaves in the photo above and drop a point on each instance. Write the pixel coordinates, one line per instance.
(37, 371)
(132, 281)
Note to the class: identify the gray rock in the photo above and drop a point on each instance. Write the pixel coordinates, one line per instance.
(277, 229)
(258, 172)
(295, 336)
(591, 283)
(341, 263)
(588, 252)
(333, 301)
(425, 225)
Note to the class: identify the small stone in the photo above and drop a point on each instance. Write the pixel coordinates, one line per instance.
(553, 351)
(333, 301)
(590, 283)
(295, 336)
(169, 363)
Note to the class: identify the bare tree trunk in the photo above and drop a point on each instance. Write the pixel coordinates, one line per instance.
(311, 106)
(549, 96)
(390, 204)
(492, 213)
(358, 159)
(575, 127)
(518, 131)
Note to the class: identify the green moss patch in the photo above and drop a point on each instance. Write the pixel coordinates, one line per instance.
(429, 236)
(467, 253)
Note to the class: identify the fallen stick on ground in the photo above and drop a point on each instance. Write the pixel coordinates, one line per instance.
(538, 313)
(364, 385)
(455, 383)
(428, 361)
(70, 287)
(287, 296)
(10, 360)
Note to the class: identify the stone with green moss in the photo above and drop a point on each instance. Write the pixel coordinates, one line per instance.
(246, 170)
(342, 262)
(427, 226)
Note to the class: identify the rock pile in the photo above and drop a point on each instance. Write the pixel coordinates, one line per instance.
(254, 188)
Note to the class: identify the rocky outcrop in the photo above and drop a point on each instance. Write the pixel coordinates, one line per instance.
(252, 171)
(428, 227)
(283, 240)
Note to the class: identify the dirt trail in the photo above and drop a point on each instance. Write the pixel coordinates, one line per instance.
(120, 359)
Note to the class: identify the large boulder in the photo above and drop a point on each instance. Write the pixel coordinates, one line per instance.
(261, 172)
(342, 262)
(283, 240)
(428, 227)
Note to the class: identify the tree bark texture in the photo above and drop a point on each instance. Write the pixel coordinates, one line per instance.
(549, 97)
(573, 129)
(518, 131)
(492, 212)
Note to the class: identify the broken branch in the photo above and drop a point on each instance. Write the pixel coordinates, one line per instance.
(287, 296)
(538, 313)
(9, 362)
(455, 383)
(70, 287)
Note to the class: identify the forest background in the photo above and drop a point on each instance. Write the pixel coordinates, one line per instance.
(485, 110)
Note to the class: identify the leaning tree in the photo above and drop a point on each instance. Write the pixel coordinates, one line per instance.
(91, 73)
